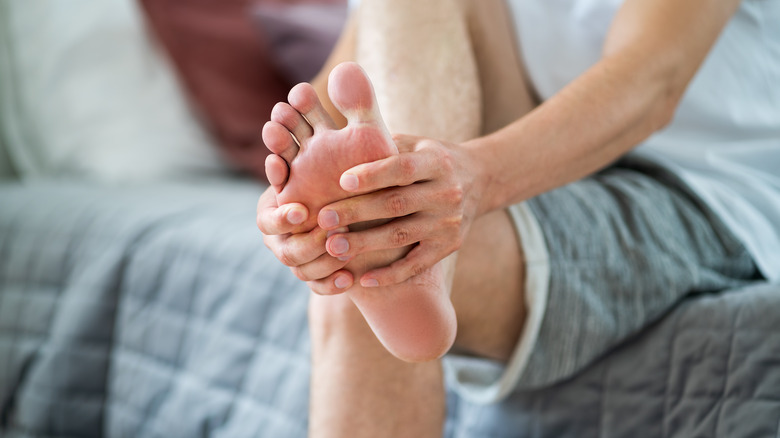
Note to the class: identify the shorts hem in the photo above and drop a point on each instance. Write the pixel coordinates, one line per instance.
(481, 382)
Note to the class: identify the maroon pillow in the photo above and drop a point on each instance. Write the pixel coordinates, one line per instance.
(225, 67)
(300, 36)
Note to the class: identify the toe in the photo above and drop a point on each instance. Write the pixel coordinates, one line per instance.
(287, 116)
(351, 92)
(276, 171)
(280, 141)
(304, 99)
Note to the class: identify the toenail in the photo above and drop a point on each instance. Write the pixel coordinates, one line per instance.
(330, 219)
(339, 245)
(369, 283)
(341, 282)
(349, 182)
(295, 217)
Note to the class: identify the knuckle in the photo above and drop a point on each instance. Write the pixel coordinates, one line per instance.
(397, 205)
(455, 194)
(427, 143)
(407, 167)
(417, 269)
(400, 236)
(287, 256)
(453, 223)
(446, 161)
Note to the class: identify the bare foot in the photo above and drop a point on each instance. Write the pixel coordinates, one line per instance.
(322, 153)
(414, 320)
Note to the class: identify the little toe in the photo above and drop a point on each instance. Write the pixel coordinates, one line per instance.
(304, 99)
(276, 171)
(280, 141)
(290, 118)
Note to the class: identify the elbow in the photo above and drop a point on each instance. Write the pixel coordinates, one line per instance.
(665, 107)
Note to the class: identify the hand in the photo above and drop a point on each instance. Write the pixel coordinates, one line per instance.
(432, 191)
(305, 252)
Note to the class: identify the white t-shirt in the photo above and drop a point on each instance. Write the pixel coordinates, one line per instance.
(724, 140)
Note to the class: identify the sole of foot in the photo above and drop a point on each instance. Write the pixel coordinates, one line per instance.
(414, 320)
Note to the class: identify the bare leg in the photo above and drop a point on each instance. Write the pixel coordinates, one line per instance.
(441, 58)
(357, 388)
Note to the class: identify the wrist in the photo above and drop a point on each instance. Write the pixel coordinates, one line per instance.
(485, 187)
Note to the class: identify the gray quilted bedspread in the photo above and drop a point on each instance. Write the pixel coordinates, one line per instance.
(156, 311)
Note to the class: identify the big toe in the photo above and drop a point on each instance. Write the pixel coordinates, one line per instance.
(351, 92)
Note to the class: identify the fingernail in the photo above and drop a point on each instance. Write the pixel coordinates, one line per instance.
(341, 282)
(344, 259)
(349, 182)
(295, 217)
(339, 245)
(330, 219)
(369, 283)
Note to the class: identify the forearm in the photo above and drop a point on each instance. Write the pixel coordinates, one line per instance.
(629, 94)
(589, 124)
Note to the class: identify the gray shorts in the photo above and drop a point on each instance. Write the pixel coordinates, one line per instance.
(606, 256)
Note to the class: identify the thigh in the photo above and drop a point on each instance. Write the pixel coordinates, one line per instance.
(506, 89)
(623, 247)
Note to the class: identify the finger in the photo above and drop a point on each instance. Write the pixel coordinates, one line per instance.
(384, 204)
(398, 170)
(395, 234)
(417, 261)
(337, 283)
(276, 171)
(273, 219)
(298, 249)
(291, 119)
(280, 141)
(320, 268)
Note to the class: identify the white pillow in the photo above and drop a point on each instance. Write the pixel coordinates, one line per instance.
(84, 91)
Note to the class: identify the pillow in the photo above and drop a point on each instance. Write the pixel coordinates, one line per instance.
(301, 36)
(228, 68)
(225, 70)
(83, 92)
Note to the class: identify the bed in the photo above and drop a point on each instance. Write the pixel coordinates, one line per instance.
(155, 311)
